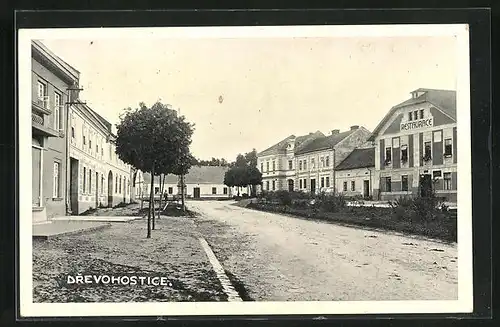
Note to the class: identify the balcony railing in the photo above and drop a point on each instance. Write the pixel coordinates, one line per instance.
(36, 119)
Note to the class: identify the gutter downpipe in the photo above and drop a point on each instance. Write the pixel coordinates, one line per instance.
(68, 159)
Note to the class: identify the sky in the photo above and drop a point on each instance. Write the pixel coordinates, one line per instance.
(270, 87)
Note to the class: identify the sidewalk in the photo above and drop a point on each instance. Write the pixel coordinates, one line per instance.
(173, 252)
(59, 228)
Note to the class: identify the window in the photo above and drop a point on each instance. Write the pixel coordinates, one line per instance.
(415, 115)
(448, 147)
(404, 183)
(262, 167)
(267, 185)
(97, 149)
(305, 183)
(388, 184)
(300, 164)
(274, 166)
(90, 143)
(410, 116)
(90, 180)
(170, 190)
(436, 174)
(84, 180)
(328, 182)
(157, 189)
(345, 187)
(56, 180)
(102, 184)
(274, 185)
(353, 186)
(427, 151)
(447, 181)
(300, 183)
(102, 151)
(224, 190)
(421, 114)
(388, 156)
(83, 136)
(327, 161)
(42, 95)
(72, 132)
(322, 182)
(267, 166)
(305, 164)
(214, 190)
(120, 186)
(57, 112)
(116, 183)
(290, 164)
(313, 163)
(404, 153)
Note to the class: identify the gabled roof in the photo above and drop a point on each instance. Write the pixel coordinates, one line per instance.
(196, 175)
(358, 158)
(281, 146)
(84, 107)
(323, 143)
(62, 65)
(444, 100)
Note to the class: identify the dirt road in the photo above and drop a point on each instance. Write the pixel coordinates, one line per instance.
(280, 258)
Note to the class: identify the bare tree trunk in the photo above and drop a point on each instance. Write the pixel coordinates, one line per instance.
(162, 187)
(154, 207)
(151, 198)
(182, 193)
(142, 195)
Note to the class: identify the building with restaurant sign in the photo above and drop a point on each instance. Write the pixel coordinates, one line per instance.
(416, 147)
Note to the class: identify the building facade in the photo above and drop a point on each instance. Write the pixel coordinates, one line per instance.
(98, 178)
(416, 147)
(315, 163)
(205, 182)
(52, 81)
(355, 174)
(277, 164)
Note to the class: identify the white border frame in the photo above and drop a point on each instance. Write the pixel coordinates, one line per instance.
(464, 304)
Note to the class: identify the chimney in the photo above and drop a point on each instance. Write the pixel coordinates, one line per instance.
(335, 131)
(354, 127)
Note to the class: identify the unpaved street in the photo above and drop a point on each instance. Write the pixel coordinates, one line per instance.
(279, 258)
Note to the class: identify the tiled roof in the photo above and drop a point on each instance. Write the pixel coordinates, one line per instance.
(196, 175)
(280, 147)
(444, 100)
(325, 142)
(359, 158)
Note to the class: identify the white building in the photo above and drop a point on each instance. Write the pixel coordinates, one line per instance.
(355, 174)
(97, 176)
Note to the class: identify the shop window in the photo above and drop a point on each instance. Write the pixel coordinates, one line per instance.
(404, 183)
(345, 187)
(448, 148)
(447, 181)
(404, 153)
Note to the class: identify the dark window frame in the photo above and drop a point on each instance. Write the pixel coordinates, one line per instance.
(404, 186)
(448, 148)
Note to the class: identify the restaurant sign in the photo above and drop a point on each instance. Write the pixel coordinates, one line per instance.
(422, 123)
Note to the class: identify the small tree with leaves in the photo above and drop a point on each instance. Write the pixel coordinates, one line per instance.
(152, 140)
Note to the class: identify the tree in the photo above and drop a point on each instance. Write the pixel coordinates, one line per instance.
(251, 158)
(181, 168)
(153, 140)
(241, 161)
(254, 178)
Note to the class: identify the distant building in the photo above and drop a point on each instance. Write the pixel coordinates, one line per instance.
(51, 80)
(278, 165)
(416, 147)
(355, 174)
(205, 182)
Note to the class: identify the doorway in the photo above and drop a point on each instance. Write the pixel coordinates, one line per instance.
(425, 185)
(73, 185)
(313, 186)
(36, 177)
(110, 189)
(366, 189)
(290, 185)
(196, 192)
(97, 190)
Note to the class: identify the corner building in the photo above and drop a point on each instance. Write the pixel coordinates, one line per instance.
(416, 147)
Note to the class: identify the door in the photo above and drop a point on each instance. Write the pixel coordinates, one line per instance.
(196, 192)
(313, 186)
(110, 189)
(366, 189)
(36, 168)
(290, 185)
(425, 185)
(73, 185)
(97, 190)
